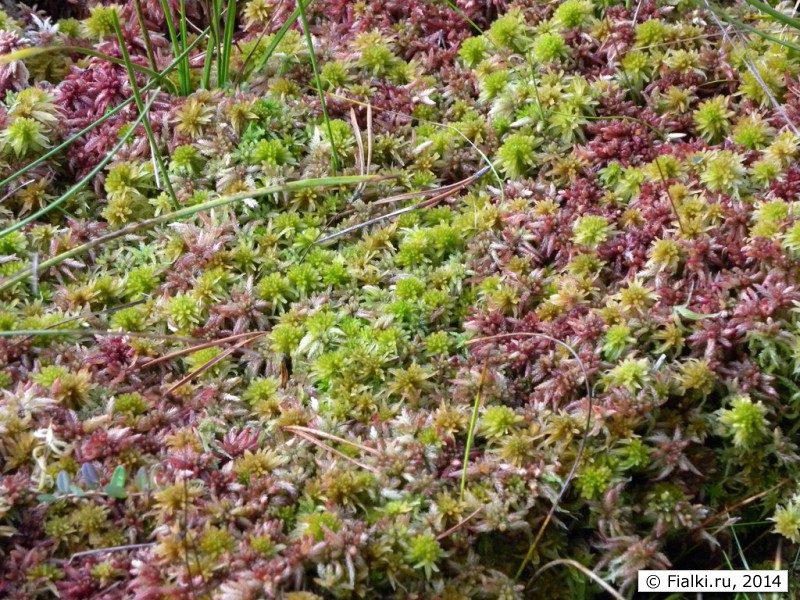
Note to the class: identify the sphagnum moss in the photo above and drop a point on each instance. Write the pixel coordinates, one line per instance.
(645, 217)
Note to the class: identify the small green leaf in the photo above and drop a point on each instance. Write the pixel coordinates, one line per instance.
(48, 498)
(142, 480)
(686, 313)
(74, 489)
(119, 477)
(114, 491)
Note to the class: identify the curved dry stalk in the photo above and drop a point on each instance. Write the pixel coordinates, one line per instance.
(450, 190)
(188, 212)
(203, 346)
(740, 504)
(330, 436)
(568, 562)
(311, 439)
(746, 59)
(25, 53)
(482, 154)
(581, 447)
(218, 358)
(108, 115)
(111, 549)
(89, 176)
(85, 332)
(444, 534)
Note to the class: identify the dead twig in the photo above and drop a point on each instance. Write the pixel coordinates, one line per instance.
(220, 357)
(589, 573)
(444, 534)
(111, 549)
(449, 191)
(330, 436)
(326, 447)
(204, 345)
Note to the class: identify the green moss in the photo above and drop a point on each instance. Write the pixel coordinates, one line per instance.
(787, 520)
(473, 50)
(498, 421)
(617, 339)
(745, 421)
(23, 137)
(631, 373)
(184, 311)
(517, 155)
(133, 318)
(131, 404)
(712, 119)
(573, 13)
(424, 552)
(100, 23)
(550, 47)
(187, 159)
(591, 230)
(509, 32)
(594, 481)
(271, 152)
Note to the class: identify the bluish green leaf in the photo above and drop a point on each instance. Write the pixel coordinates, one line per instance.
(63, 481)
(89, 475)
(142, 480)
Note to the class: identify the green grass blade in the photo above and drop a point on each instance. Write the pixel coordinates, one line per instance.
(217, 33)
(227, 45)
(212, 47)
(26, 53)
(188, 212)
(148, 44)
(775, 14)
(461, 14)
(82, 183)
(318, 82)
(66, 143)
(176, 49)
(473, 422)
(186, 83)
(276, 39)
(137, 97)
(732, 21)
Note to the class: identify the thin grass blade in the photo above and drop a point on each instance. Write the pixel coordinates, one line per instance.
(276, 39)
(188, 212)
(82, 183)
(66, 143)
(775, 14)
(722, 14)
(186, 83)
(26, 53)
(318, 83)
(137, 97)
(148, 43)
(176, 48)
(473, 422)
(227, 44)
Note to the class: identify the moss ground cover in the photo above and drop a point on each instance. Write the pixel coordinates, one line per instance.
(396, 299)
